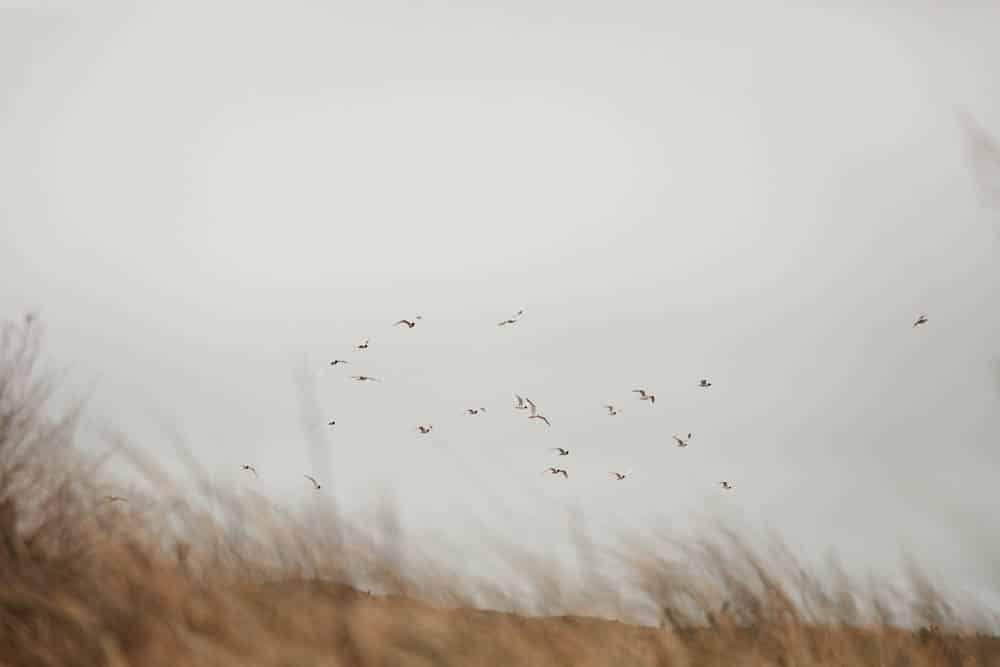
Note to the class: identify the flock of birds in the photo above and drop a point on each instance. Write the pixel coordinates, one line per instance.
(520, 404)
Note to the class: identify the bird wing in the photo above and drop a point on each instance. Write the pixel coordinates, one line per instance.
(400, 322)
(520, 401)
(564, 474)
(545, 419)
(312, 479)
(641, 392)
(534, 408)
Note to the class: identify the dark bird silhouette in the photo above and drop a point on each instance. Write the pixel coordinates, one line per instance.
(645, 395)
(562, 451)
(316, 485)
(612, 410)
(409, 323)
(337, 361)
(425, 429)
(331, 423)
(475, 411)
(365, 378)
(682, 442)
(247, 466)
(511, 320)
(920, 320)
(621, 475)
(363, 345)
(726, 485)
(557, 471)
(704, 384)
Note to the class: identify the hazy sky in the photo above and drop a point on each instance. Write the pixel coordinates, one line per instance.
(203, 199)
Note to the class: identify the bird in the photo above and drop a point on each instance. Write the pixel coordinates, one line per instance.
(337, 361)
(520, 404)
(316, 485)
(562, 451)
(535, 414)
(557, 471)
(726, 485)
(682, 442)
(332, 422)
(365, 378)
(247, 466)
(704, 383)
(920, 320)
(475, 411)
(621, 475)
(612, 410)
(645, 395)
(409, 323)
(425, 429)
(363, 345)
(511, 320)
(111, 499)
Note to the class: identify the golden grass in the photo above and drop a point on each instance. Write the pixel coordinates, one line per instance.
(159, 581)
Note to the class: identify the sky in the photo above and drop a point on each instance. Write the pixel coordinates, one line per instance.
(206, 203)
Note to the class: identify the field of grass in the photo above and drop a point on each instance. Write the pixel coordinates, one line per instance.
(161, 581)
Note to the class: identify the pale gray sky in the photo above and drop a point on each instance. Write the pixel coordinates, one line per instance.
(201, 198)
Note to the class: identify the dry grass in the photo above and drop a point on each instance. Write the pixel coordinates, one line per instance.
(159, 581)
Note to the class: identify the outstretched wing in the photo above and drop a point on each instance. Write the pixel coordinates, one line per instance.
(534, 408)
(312, 479)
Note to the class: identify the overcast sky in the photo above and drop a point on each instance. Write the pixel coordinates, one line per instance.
(204, 201)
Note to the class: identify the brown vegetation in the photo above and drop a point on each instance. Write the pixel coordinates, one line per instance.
(159, 581)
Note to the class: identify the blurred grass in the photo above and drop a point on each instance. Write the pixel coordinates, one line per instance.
(169, 578)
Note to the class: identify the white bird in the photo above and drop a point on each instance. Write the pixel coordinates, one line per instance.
(612, 410)
(561, 450)
(704, 384)
(247, 466)
(425, 429)
(536, 415)
(312, 479)
(622, 475)
(557, 471)
(363, 345)
(726, 485)
(682, 442)
(920, 320)
(511, 320)
(645, 395)
(475, 411)
(520, 404)
(365, 378)
(409, 323)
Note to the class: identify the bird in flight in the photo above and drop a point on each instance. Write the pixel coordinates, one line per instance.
(363, 345)
(726, 485)
(425, 429)
(520, 404)
(247, 466)
(645, 395)
(557, 471)
(332, 422)
(316, 485)
(562, 451)
(920, 320)
(683, 442)
(704, 384)
(475, 411)
(365, 378)
(111, 499)
(621, 475)
(535, 414)
(409, 323)
(337, 361)
(612, 410)
(511, 320)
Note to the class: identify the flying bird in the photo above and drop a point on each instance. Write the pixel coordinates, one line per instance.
(337, 361)
(511, 320)
(704, 383)
(645, 395)
(535, 414)
(365, 378)
(726, 485)
(920, 320)
(561, 450)
(409, 323)
(111, 499)
(363, 345)
(612, 410)
(332, 422)
(557, 471)
(621, 475)
(247, 466)
(316, 485)
(520, 404)
(425, 429)
(682, 442)
(475, 411)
